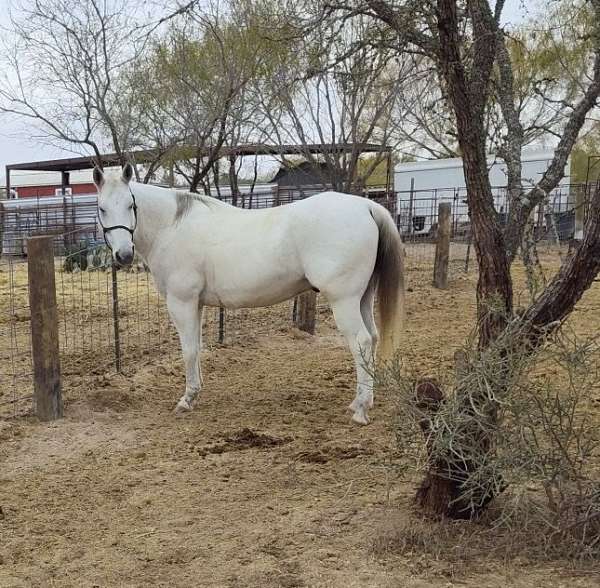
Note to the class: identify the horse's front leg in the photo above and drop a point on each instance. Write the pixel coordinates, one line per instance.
(187, 320)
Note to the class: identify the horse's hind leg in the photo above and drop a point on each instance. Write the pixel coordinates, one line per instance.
(348, 317)
(186, 317)
(367, 303)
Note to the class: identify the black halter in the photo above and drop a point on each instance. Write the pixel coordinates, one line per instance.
(129, 229)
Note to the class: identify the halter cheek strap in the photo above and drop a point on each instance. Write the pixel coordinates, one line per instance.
(130, 230)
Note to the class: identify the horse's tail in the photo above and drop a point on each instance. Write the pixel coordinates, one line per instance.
(389, 275)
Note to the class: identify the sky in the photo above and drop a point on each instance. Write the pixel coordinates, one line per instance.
(16, 145)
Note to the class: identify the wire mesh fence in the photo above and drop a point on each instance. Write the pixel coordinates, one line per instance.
(112, 319)
(62, 215)
(416, 213)
(16, 369)
(109, 320)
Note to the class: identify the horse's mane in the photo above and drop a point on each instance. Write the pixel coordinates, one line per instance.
(186, 200)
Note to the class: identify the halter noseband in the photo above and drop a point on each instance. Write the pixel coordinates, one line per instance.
(130, 230)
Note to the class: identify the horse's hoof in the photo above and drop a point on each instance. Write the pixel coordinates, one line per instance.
(182, 407)
(355, 405)
(360, 417)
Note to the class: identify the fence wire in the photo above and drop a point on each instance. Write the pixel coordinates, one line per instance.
(111, 320)
(16, 368)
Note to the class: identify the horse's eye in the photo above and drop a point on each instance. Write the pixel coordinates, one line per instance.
(130, 207)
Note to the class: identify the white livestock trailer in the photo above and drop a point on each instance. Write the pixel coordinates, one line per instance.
(422, 185)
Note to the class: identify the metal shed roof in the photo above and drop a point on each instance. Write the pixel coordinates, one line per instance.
(112, 159)
(143, 156)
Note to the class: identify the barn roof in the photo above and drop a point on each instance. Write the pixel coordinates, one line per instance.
(77, 163)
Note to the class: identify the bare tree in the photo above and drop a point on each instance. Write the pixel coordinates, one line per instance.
(330, 93)
(425, 121)
(561, 102)
(185, 99)
(63, 59)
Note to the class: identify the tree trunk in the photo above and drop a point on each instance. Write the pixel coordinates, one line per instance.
(575, 276)
(534, 273)
(466, 73)
(233, 181)
(442, 493)
(468, 96)
(494, 286)
(437, 495)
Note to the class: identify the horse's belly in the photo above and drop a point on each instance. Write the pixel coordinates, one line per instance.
(254, 293)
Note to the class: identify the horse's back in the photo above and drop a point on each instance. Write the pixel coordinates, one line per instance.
(331, 199)
(238, 258)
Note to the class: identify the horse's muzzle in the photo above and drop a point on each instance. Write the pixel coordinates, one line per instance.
(125, 258)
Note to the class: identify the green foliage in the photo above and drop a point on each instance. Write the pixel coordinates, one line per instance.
(76, 257)
(555, 55)
(211, 59)
(378, 176)
(580, 158)
(201, 83)
(101, 258)
(540, 412)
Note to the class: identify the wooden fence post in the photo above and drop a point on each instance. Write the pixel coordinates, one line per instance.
(442, 248)
(44, 328)
(306, 317)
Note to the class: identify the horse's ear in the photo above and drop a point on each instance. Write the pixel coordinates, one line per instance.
(127, 173)
(98, 176)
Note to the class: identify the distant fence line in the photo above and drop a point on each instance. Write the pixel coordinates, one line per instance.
(414, 211)
(417, 209)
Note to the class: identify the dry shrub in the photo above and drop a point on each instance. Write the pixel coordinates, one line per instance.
(540, 417)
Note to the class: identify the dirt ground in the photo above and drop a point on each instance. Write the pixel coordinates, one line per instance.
(266, 484)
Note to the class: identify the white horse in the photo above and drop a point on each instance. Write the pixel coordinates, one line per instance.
(204, 252)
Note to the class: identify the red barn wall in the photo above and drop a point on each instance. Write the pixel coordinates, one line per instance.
(41, 191)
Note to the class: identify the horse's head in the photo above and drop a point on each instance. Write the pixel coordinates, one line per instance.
(117, 212)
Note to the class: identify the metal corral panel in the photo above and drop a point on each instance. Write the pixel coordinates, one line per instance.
(422, 185)
(21, 218)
